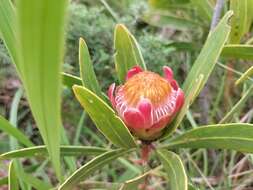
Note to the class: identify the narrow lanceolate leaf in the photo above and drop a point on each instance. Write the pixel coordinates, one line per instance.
(95, 164)
(234, 136)
(238, 51)
(249, 14)
(8, 29)
(236, 108)
(238, 21)
(42, 151)
(195, 88)
(137, 52)
(209, 54)
(69, 80)
(34, 182)
(12, 177)
(135, 182)
(6, 127)
(174, 168)
(87, 73)
(160, 19)
(245, 76)
(167, 4)
(202, 68)
(204, 9)
(127, 52)
(41, 31)
(104, 118)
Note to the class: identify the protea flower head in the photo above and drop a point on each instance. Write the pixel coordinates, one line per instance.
(147, 102)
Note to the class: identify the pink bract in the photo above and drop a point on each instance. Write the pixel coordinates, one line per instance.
(147, 102)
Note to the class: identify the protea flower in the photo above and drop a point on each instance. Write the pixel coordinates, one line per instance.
(147, 102)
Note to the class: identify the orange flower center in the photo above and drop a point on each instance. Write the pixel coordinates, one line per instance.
(148, 85)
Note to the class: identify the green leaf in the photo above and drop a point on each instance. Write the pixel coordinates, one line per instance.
(187, 102)
(233, 136)
(209, 54)
(14, 132)
(174, 168)
(204, 9)
(166, 4)
(34, 182)
(135, 182)
(191, 187)
(245, 76)
(3, 181)
(137, 52)
(127, 52)
(239, 20)
(238, 51)
(87, 73)
(202, 68)
(42, 151)
(12, 177)
(105, 118)
(41, 32)
(237, 106)
(160, 19)
(70, 80)
(70, 161)
(8, 29)
(95, 164)
(249, 14)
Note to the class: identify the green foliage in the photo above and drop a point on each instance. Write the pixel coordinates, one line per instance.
(42, 151)
(12, 176)
(174, 168)
(235, 136)
(14, 132)
(245, 75)
(238, 51)
(96, 28)
(87, 74)
(105, 118)
(127, 52)
(90, 167)
(41, 42)
(203, 66)
(35, 48)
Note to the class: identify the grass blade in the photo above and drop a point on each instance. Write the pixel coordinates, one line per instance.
(105, 118)
(41, 30)
(8, 29)
(233, 136)
(14, 132)
(95, 164)
(42, 151)
(134, 183)
(34, 182)
(12, 177)
(174, 168)
(237, 106)
(245, 76)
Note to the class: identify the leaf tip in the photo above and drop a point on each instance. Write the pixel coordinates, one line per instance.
(76, 88)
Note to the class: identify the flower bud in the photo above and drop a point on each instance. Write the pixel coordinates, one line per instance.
(147, 102)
